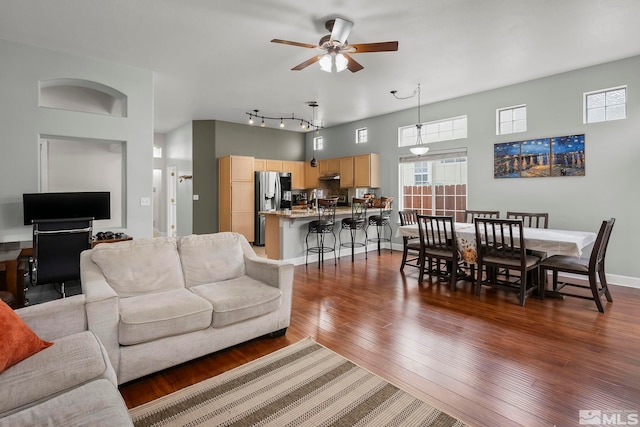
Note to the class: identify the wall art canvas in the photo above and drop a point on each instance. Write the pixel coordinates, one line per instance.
(556, 156)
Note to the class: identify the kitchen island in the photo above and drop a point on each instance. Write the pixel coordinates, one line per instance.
(285, 232)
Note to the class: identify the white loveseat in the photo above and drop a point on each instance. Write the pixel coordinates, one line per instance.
(158, 302)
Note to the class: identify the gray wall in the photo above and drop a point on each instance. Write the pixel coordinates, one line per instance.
(22, 121)
(554, 108)
(195, 147)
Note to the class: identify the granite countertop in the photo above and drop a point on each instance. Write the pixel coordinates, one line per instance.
(304, 213)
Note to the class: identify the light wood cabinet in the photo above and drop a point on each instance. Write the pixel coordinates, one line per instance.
(274, 165)
(311, 176)
(259, 165)
(236, 195)
(346, 172)
(323, 167)
(366, 170)
(296, 169)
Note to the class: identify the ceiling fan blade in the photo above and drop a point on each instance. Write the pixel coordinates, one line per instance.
(374, 47)
(310, 46)
(306, 63)
(341, 30)
(353, 65)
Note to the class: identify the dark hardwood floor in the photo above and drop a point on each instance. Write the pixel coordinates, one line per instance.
(484, 359)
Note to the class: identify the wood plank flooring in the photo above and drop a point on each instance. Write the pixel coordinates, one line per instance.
(484, 359)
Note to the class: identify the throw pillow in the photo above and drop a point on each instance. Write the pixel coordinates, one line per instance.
(17, 341)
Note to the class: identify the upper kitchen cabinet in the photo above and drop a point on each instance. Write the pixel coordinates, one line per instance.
(329, 166)
(346, 172)
(311, 176)
(259, 165)
(296, 169)
(366, 171)
(274, 165)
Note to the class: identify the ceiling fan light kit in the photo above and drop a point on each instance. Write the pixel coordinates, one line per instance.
(337, 50)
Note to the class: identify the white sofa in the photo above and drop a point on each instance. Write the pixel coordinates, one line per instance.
(158, 302)
(70, 383)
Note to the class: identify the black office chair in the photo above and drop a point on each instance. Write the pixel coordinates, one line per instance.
(356, 222)
(57, 244)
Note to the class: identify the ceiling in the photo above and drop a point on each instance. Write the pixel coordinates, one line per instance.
(214, 59)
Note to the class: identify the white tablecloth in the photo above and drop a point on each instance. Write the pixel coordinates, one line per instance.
(553, 242)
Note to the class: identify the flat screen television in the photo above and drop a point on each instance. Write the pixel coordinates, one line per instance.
(96, 204)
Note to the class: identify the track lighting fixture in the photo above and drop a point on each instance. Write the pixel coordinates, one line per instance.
(304, 124)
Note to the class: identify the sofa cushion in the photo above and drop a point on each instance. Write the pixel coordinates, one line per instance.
(239, 299)
(209, 258)
(17, 340)
(71, 361)
(150, 317)
(97, 403)
(140, 266)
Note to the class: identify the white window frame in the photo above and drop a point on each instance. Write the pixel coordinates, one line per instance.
(607, 106)
(362, 136)
(318, 143)
(512, 120)
(435, 131)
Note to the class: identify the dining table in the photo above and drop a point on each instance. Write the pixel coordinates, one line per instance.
(547, 240)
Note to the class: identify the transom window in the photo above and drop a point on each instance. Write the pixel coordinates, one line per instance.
(605, 105)
(511, 120)
(439, 130)
(361, 135)
(318, 143)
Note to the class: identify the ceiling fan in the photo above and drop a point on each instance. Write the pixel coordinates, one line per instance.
(336, 49)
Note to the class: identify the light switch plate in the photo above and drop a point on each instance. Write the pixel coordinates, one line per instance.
(145, 201)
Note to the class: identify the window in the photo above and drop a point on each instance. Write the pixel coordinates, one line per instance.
(361, 135)
(435, 184)
(605, 105)
(318, 143)
(440, 130)
(511, 120)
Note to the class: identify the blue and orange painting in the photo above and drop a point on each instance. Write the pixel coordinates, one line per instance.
(557, 156)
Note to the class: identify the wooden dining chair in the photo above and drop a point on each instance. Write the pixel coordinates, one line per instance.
(500, 245)
(593, 268)
(409, 244)
(470, 215)
(438, 248)
(531, 220)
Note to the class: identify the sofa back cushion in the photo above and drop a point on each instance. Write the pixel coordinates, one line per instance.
(140, 266)
(209, 258)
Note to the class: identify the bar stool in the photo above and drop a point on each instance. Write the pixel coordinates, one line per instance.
(321, 228)
(353, 224)
(382, 221)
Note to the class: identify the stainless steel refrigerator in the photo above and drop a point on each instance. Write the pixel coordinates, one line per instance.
(272, 192)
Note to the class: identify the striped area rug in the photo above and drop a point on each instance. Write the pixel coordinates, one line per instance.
(304, 384)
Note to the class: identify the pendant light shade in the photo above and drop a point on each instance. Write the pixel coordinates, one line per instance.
(419, 149)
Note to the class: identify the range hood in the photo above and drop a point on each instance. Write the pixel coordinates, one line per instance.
(329, 177)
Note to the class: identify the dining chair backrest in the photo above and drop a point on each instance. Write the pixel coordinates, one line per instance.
(531, 220)
(470, 215)
(437, 233)
(408, 217)
(599, 251)
(499, 238)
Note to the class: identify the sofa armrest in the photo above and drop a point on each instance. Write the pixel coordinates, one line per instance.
(102, 304)
(56, 319)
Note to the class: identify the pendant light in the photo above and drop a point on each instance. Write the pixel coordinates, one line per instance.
(419, 149)
(314, 163)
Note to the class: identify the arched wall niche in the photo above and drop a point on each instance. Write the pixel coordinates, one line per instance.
(82, 95)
